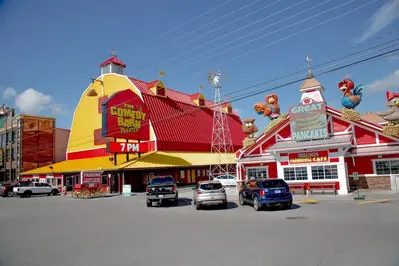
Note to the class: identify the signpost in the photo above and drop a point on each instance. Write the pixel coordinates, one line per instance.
(356, 178)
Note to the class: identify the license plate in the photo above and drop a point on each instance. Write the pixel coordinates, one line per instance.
(160, 196)
(277, 191)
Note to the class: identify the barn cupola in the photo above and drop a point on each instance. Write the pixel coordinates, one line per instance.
(157, 88)
(113, 65)
(311, 87)
(198, 99)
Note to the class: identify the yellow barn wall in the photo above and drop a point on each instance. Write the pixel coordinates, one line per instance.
(86, 117)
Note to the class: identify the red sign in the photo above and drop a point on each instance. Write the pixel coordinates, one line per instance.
(308, 157)
(124, 147)
(125, 116)
(91, 177)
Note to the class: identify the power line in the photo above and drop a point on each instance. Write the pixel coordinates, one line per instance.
(185, 23)
(279, 86)
(246, 35)
(289, 36)
(213, 21)
(225, 35)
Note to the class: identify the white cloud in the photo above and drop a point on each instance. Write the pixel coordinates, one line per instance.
(9, 93)
(58, 110)
(384, 16)
(32, 101)
(389, 82)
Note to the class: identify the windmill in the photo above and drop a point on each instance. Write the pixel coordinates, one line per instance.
(222, 144)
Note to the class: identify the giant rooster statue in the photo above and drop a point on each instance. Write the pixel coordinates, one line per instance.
(350, 100)
(270, 108)
(392, 115)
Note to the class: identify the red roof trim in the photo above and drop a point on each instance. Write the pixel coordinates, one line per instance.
(113, 60)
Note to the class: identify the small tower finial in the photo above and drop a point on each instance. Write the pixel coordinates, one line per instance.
(310, 75)
(113, 52)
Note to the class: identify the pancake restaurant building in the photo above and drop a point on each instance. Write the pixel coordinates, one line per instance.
(125, 131)
(315, 149)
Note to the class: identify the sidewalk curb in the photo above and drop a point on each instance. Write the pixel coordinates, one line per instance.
(374, 201)
(306, 201)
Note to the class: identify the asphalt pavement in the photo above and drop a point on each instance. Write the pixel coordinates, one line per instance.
(121, 231)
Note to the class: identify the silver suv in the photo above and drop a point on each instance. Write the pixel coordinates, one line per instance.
(209, 193)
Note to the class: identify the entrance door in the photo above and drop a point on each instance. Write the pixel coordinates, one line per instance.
(114, 183)
(69, 183)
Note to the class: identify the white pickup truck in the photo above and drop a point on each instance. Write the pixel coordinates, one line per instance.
(35, 188)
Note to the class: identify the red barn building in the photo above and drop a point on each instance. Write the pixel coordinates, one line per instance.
(349, 149)
(177, 139)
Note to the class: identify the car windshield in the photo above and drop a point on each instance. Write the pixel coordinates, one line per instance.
(274, 183)
(211, 186)
(162, 180)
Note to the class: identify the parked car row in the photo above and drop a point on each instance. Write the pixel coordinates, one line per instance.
(260, 193)
(26, 189)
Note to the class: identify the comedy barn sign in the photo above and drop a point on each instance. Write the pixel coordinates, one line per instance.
(308, 121)
(125, 116)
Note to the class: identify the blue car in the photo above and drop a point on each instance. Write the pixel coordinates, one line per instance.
(262, 193)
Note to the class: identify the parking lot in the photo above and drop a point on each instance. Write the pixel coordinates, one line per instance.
(60, 230)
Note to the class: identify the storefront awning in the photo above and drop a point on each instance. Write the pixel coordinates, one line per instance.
(335, 141)
(179, 159)
(373, 150)
(256, 159)
(72, 166)
(149, 160)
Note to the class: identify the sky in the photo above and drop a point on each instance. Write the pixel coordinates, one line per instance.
(49, 49)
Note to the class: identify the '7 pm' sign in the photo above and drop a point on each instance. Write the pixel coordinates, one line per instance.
(127, 147)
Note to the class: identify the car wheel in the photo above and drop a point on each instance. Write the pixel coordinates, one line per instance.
(241, 200)
(10, 194)
(288, 206)
(54, 192)
(149, 203)
(257, 205)
(27, 194)
(176, 201)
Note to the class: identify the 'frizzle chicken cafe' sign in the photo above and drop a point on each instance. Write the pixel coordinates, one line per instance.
(125, 116)
(308, 121)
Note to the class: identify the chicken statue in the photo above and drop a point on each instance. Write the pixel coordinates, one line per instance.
(392, 115)
(249, 128)
(350, 99)
(270, 108)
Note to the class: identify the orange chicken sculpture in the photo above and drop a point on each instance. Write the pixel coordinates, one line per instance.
(270, 108)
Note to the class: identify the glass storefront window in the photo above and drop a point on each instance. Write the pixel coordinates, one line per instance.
(389, 167)
(324, 172)
(295, 173)
(257, 172)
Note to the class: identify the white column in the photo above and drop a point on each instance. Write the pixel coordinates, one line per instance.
(342, 177)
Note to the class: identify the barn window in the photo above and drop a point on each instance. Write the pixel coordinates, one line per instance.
(387, 167)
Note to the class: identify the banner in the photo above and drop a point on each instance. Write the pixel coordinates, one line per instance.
(308, 157)
(308, 121)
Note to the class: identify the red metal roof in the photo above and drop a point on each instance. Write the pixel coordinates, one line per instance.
(180, 125)
(152, 83)
(113, 60)
(195, 96)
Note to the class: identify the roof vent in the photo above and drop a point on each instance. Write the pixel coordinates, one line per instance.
(198, 99)
(158, 88)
